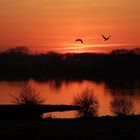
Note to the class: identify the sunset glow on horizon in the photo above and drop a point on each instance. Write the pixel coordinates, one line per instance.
(54, 25)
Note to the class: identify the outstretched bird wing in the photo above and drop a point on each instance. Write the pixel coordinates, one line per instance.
(108, 37)
(79, 40)
(105, 38)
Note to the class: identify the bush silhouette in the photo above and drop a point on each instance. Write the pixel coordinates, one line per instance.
(87, 102)
(29, 99)
(27, 96)
(122, 106)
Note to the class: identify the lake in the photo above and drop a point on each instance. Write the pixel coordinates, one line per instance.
(63, 91)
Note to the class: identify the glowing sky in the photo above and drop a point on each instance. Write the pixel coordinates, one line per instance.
(55, 24)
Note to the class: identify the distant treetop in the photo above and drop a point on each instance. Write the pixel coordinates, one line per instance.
(19, 49)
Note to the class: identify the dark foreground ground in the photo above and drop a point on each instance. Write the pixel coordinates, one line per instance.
(106, 128)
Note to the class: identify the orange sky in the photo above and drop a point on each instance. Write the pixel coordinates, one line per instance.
(55, 24)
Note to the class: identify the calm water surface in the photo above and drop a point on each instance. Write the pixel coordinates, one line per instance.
(62, 92)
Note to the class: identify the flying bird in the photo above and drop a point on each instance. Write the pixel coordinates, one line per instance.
(79, 40)
(105, 38)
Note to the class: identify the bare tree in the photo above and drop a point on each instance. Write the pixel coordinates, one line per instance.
(27, 96)
(87, 102)
(121, 106)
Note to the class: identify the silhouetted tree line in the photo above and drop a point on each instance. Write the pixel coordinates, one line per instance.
(19, 63)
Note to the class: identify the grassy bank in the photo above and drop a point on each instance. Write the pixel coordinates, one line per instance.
(25, 112)
(72, 129)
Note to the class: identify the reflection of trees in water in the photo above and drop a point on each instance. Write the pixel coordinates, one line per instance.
(123, 87)
(53, 83)
(128, 87)
(58, 82)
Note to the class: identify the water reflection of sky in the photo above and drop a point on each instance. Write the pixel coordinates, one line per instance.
(62, 92)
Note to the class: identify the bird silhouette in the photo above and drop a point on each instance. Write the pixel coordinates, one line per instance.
(105, 38)
(79, 40)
